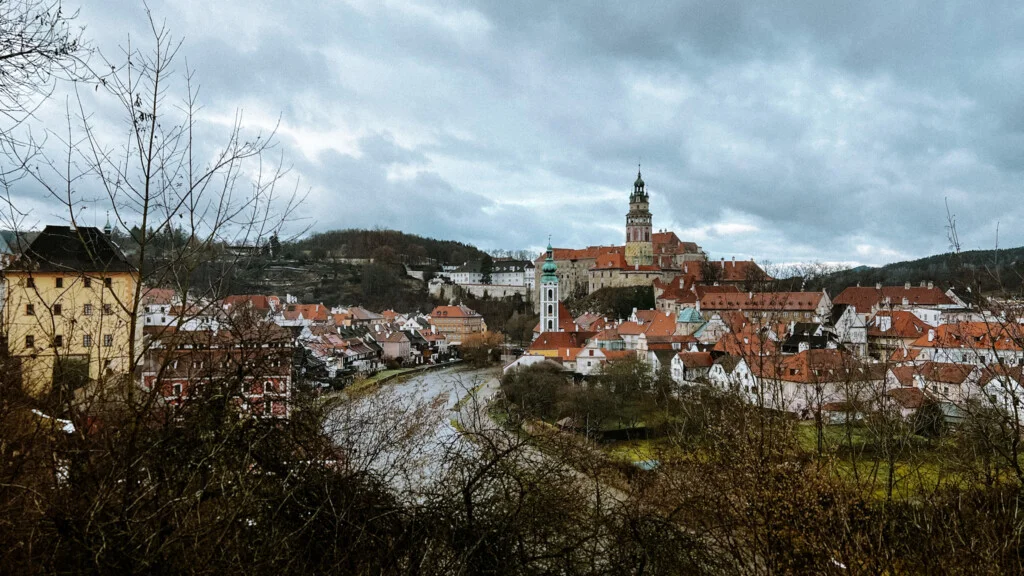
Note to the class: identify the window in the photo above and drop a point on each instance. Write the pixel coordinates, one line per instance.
(57, 309)
(58, 341)
(176, 388)
(108, 282)
(108, 340)
(197, 364)
(59, 282)
(87, 309)
(30, 309)
(108, 309)
(30, 282)
(30, 341)
(86, 340)
(268, 407)
(87, 282)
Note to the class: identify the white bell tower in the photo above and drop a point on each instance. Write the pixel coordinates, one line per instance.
(549, 294)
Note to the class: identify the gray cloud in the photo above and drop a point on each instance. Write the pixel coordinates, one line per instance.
(784, 131)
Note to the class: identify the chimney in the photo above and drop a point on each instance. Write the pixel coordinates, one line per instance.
(733, 261)
(923, 284)
(930, 285)
(906, 286)
(686, 268)
(931, 335)
(803, 346)
(723, 263)
(878, 286)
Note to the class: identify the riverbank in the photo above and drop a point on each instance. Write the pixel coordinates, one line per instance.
(385, 376)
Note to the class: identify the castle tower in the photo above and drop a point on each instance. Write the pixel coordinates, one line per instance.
(549, 294)
(639, 248)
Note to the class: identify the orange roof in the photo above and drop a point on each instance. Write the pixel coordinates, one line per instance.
(1014, 373)
(459, 311)
(814, 366)
(696, 359)
(764, 301)
(904, 355)
(608, 335)
(158, 295)
(908, 396)
(389, 315)
(314, 312)
(864, 298)
(903, 325)
(257, 301)
(556, 340)
(630, 329)
(745, 345)
(944, 372)
(613, 355)
(974, 335)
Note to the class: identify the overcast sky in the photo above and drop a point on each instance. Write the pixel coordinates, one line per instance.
(782, 131)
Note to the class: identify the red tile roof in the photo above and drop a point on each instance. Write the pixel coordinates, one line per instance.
(459, 311)
(903, 325)
(974, 335)
(696, 359)
(944, 372)
(763, 301)
(864, 298)
(556, 340)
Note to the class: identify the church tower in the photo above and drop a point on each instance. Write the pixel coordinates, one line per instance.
(549, 294)
(639, 249)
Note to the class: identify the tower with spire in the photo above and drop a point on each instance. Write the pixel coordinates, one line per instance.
(639, 247)
(549, 293)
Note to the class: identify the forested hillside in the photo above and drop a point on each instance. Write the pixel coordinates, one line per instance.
(386, 245)
(990, 270)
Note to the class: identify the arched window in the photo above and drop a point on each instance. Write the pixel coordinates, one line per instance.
(550, 309)
(550, 324)
(551, 294)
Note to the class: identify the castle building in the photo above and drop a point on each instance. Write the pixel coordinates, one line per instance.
(646, 256)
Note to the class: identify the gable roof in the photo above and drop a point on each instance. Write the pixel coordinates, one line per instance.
(67, 249)
(902, 324)
(460, 311)
(696, 359)
(974, 335)
(943, 372)
(763, 301)
(864, 298)
(556, 340)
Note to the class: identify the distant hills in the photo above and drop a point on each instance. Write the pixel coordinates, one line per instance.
(990, 271)
(381, 245)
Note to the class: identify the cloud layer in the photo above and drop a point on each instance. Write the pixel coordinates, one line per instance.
(782, 131)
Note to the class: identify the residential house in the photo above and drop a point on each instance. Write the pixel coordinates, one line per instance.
(946, 381)
(889, 331)
(395, 345)
(867, 300)
(981, 343)
(689, 367)
(457, 322)
(252, 359)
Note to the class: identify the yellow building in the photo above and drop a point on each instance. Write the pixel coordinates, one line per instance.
(68, 309)
(457, 322)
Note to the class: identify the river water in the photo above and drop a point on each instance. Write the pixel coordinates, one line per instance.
(404, 432)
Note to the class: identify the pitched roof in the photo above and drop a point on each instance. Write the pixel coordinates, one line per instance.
(255, 301)
(864, 298)
(460, 311)
(314, 312)
(944, 372)
(815, 367)
(908, 397)
(158, 296)
(763, 301)
(901, 324)
(696, 359)
(67, 249)
(556, 340)
(974, 335)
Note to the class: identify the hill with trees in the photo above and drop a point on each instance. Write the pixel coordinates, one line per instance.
(987, 271)
(381, 245)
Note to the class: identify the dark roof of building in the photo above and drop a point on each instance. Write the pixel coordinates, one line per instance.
(67, 249)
